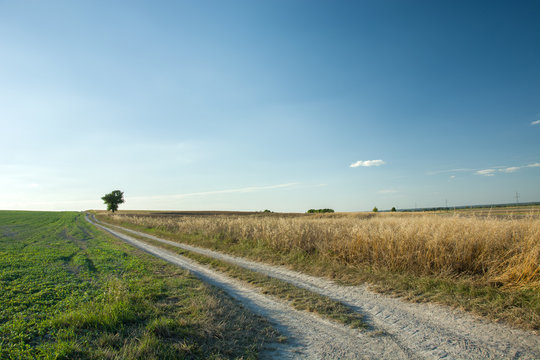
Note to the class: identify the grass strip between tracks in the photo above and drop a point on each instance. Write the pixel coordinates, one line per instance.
(299, 298)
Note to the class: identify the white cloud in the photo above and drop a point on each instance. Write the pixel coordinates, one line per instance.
(534, 165)
(367, 163)
(510, 169)
(486, 172)
(537, 122)
(452, 176)
(387, 191)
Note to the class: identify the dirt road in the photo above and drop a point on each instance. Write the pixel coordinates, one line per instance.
(398, 330)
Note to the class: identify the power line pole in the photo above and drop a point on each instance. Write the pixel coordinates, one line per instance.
(517, 198)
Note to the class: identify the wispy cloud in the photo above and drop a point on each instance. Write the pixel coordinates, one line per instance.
(510, 169)
(535, 122)
(387, 191)
(486, 172)
(367, 163)
(249, 189)
(450, 171)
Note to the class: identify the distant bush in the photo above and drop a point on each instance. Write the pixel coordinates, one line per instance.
(312, 211)
(393, 209)
(267, 211)
(375, 209)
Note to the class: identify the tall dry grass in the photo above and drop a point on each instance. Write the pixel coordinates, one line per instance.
(494, 250)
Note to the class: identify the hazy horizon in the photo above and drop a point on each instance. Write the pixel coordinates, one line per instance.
(280, 105)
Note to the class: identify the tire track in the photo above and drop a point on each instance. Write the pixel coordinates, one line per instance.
(309, 337)
(425, 330)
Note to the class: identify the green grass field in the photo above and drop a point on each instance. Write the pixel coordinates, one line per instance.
(70, 291)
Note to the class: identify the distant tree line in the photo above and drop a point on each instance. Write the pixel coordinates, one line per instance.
(312, 211)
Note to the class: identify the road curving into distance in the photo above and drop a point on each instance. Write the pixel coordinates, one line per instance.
(398, 329)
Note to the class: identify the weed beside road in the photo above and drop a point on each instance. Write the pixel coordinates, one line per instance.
(69, 291)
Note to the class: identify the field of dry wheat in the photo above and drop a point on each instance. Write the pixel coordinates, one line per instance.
(498, 251)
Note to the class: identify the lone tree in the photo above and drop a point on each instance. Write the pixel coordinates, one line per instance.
(113, 199)
(375, 209)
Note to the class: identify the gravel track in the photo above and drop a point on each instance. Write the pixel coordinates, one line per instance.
(308, 336)
(398, 329)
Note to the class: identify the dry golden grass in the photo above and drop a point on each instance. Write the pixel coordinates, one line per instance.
(497, 251)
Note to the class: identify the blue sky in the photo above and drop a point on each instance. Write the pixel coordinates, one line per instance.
(252, 105)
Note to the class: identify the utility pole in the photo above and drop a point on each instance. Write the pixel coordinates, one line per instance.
(517, 198)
